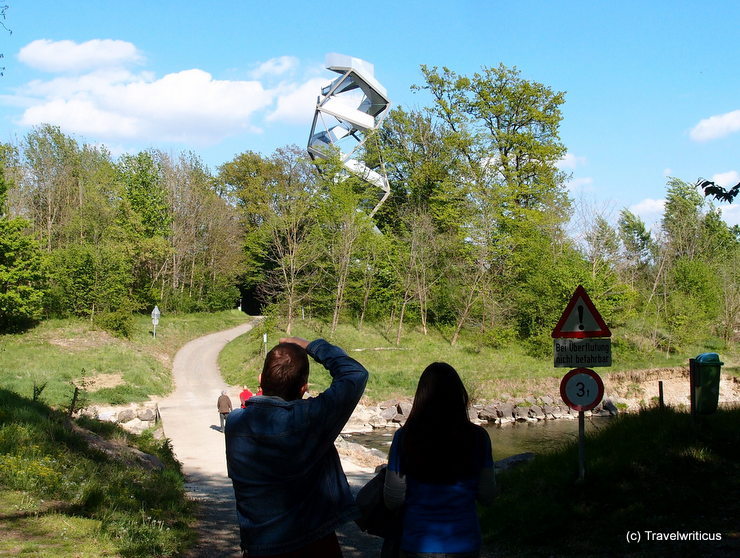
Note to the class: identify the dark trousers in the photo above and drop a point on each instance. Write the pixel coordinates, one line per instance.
(223, 416)
(328, 547)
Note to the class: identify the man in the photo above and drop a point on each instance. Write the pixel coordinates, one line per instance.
(224, 408)
(291, 492)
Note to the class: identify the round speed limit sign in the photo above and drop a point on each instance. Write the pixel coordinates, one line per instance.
(581, 389)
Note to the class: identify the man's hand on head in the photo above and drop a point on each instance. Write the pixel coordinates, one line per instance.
(303, 343)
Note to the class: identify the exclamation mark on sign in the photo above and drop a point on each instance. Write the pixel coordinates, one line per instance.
(580, 317)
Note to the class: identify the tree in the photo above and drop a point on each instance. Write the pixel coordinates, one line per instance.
(21, 275)
(51, 185)
(145, 221)
(503, 131)
(637, 245)
(276, 198)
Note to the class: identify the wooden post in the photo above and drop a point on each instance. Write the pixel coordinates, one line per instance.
(660, 395)
(581, 445)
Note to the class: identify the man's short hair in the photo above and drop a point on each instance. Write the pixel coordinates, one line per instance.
(285, 371)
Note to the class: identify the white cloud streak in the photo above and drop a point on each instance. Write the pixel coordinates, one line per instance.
(717, 126)
(97, 95)
(275, 67)
(726, 179)
(570, 161)
(68, 56)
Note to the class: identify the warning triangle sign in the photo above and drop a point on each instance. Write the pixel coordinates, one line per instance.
(580, 319)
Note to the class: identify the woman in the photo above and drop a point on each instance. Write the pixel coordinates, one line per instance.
(439, 465)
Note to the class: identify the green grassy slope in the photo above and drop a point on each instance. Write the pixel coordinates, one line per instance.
(61, 496)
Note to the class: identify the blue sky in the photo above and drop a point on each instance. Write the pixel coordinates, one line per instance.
(652, 87)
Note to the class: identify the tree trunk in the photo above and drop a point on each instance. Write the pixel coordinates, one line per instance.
(400, 321)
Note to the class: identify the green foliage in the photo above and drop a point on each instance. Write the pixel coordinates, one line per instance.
(21, 275)
(141, 177)
(89, 279)
(143, 512)
(118, 322)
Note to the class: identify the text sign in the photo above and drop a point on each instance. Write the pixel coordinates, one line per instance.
(582, 389)
(571, 353)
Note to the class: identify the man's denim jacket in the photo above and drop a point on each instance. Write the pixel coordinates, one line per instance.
(288, 481)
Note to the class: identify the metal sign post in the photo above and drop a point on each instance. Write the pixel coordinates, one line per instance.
(582, 389)
(155, 319)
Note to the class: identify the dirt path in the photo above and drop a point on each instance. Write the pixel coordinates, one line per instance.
(191, 421)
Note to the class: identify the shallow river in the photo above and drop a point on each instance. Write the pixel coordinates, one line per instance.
(510, 439)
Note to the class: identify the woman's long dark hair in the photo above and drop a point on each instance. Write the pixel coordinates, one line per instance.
(438, 439)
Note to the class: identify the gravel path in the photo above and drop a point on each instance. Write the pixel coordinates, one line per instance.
(191, 421)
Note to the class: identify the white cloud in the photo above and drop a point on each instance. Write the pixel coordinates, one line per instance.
(726, 179)
(717, 126)
(66, 56)
(296, 103)
(650, 211)
(570, 161)
(668, 172)
(110, 103)
(275, 67)
(731, 214)
(94, 92)
(580, 184)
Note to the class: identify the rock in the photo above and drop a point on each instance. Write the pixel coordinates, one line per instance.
(535, 411)
(505, 411)
(136, 426)
(531, 400)
(513, 461)
(610, 407)
(404, 407)
(354, 425)
(146, 413)
(398, 418)
(107, 416)
(488, 412)
(126, 415)
(389, 413)
(547, 400)
(472, 414)
(389, 403)
(378, 422)
(147, 459)
(522, 414)
(553, 411)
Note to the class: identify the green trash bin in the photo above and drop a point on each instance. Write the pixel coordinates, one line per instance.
(706, 382)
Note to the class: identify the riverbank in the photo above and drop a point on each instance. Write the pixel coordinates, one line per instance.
(624, 392)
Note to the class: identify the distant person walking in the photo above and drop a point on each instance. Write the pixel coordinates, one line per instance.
(439, 465)
(291, 492)
(224, 408)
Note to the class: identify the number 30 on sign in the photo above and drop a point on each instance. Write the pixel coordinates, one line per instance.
(581, 389)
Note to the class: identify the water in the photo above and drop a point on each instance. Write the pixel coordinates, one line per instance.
(507, 440)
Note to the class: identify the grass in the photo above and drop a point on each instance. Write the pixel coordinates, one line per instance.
(653, 471)
(59, 352)
(60, 496)
(394, 371)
